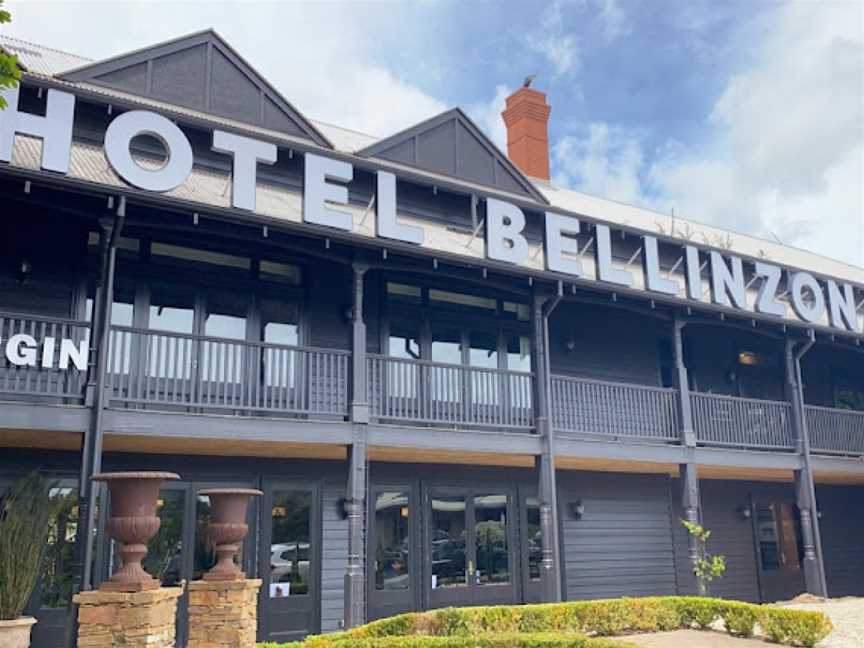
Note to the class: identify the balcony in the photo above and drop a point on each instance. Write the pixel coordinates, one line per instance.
(179, 372)
(742, 422)
(427, 393)
(600, 409)
(835, 431)
(52, 376)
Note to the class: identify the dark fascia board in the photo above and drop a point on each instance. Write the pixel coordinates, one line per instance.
(457, 114)
(89, 72)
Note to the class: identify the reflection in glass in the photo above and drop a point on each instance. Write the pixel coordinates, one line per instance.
(205, 555)
(58, 566)
(392, 548)
(446, 381)
(490, 532)
(483, 352)
(448, 531)
(290, 550)
(535, 538)
(164, 559)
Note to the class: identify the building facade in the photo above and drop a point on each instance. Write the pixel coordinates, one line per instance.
(455, 383)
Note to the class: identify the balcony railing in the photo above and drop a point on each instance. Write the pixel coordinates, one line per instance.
(425, 392)
(584, 407)
(44, 378)
(742, 422)
(835, 431)
(195, 373)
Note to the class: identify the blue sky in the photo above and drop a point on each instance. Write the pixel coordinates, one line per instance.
(746, 114)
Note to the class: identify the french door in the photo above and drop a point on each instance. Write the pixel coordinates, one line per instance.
(290, 559)
(470, 546)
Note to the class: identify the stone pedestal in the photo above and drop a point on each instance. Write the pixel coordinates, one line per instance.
(146, 618)
(223, 614)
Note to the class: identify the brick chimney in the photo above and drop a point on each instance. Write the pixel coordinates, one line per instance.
(527, 117)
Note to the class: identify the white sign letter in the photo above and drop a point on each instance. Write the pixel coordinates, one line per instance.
(766, 303)
(557, 244)
(78, 355)
(21, 350)
(726, 283)
(247, 153)
(386, 224)
(842, 307)
(317, 192)
(504, 225)
(135, 123)
(54, 129)
(810, 310)
(603, 255)
(654, 279)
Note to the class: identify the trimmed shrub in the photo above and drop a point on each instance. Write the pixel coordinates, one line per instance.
(794, 627)
(534, 626)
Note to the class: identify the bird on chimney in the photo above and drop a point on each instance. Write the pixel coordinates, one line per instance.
(528, 79)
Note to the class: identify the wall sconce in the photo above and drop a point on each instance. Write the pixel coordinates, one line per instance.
(24, 271)
(731, 376)
(577, 509)
(570, 343)
(744, 512)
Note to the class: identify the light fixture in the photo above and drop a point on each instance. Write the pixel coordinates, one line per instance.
(749, 358)
(577, 509)
(570, 343)
(744, 512)
(24, 271)
(403, 511)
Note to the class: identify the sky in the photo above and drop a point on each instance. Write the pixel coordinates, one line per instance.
(745, 114)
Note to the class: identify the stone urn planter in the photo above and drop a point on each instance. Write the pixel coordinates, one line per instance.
(132, 523)
(16, 633)
(227, 528)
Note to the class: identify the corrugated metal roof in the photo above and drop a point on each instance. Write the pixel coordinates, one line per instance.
(38, 59)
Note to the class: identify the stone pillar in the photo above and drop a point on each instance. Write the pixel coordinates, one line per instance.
(112, 619)
(223, 614)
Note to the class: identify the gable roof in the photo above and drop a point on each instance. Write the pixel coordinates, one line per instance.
(203, 72)
(451, 144)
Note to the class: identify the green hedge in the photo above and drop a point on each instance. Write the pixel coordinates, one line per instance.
(566, 625)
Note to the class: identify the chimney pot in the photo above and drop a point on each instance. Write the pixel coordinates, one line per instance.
(526, 116)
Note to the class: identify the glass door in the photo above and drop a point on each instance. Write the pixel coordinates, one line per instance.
(393, 564)
(290, 560)
(470, 546)
(780, 551)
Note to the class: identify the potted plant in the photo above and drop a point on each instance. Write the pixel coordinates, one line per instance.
(26, 513)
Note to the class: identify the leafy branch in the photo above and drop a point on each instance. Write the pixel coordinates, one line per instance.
(10, 74)
(708, 567)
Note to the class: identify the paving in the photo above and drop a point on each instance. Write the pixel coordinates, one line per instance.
(847, 615)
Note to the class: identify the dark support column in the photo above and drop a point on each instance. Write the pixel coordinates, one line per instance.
(690, 500)
(355, 505)
(550, 572)
(359, 400)
(805, 492)
(355, 499)
(91, 450)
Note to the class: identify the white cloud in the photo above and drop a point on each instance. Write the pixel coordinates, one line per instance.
(613, 19)
(786, 157)
(487, 115)
(559, 48)
(322, 58)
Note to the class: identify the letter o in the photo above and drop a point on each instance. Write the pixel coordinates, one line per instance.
(809, 312)
(128, 126)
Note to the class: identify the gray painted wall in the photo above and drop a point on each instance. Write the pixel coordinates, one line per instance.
(842, 525)
(334, 557)
(622, 546)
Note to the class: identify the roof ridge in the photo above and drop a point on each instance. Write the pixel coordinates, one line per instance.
(44, 47)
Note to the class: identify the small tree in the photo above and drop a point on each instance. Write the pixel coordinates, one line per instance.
(708, 567)
(10, 75)
(26, 513)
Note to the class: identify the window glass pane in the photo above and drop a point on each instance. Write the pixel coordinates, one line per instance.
(290, 549)
(122, 312)
(164, 559)
(222, 362)
(281, 272)
(766, 532)
(520, 311)
(58, 566)
(490, 533)
(445, 382)
(404, 292)
(461, 299)
(159, 251)
(518, 353)
(402, 377)
(171, 310)
(535, 538)
(448, 542)
(279, 326)
(483, 352)
(205, 554)
(392, 544)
